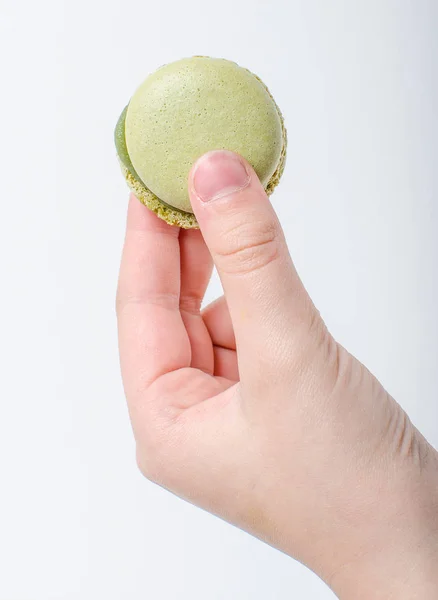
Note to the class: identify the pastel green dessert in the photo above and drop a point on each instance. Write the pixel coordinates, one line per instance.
(188, 108)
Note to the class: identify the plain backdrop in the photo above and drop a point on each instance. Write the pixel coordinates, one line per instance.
(357, 82)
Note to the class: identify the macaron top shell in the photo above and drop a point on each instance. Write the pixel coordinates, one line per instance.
(190, 107)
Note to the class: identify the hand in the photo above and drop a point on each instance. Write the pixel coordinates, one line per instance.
(251, 409)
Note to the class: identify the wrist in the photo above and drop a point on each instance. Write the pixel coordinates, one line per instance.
(395, 554)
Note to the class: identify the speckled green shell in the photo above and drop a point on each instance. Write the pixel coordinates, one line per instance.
(188, 108)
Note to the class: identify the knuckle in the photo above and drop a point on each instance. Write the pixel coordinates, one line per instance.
(315, 328)
(148, 459)
(312, 336)
(156, 439)
(142, 295)
(120, 300)
(248, 247)
(402, 434)
(124, 297)
(190, 304)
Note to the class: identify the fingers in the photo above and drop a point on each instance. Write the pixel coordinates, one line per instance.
(152, 336)
(196, 268)
(225, 364)
(218, 321)
(264, 293)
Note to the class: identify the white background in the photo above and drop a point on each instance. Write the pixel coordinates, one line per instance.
(357, 82)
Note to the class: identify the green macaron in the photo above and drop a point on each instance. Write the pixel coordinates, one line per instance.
(188, 108)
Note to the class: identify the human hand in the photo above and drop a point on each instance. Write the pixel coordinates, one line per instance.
(251, 410)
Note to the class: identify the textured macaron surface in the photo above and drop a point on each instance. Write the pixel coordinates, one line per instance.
(190, 107)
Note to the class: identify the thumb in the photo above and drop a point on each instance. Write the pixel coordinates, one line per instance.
(265, 296)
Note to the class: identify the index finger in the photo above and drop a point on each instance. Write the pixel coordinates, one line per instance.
(152, 337)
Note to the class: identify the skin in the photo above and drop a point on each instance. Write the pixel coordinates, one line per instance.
(251, 410)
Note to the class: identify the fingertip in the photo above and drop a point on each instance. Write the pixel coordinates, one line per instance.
(220, 174)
